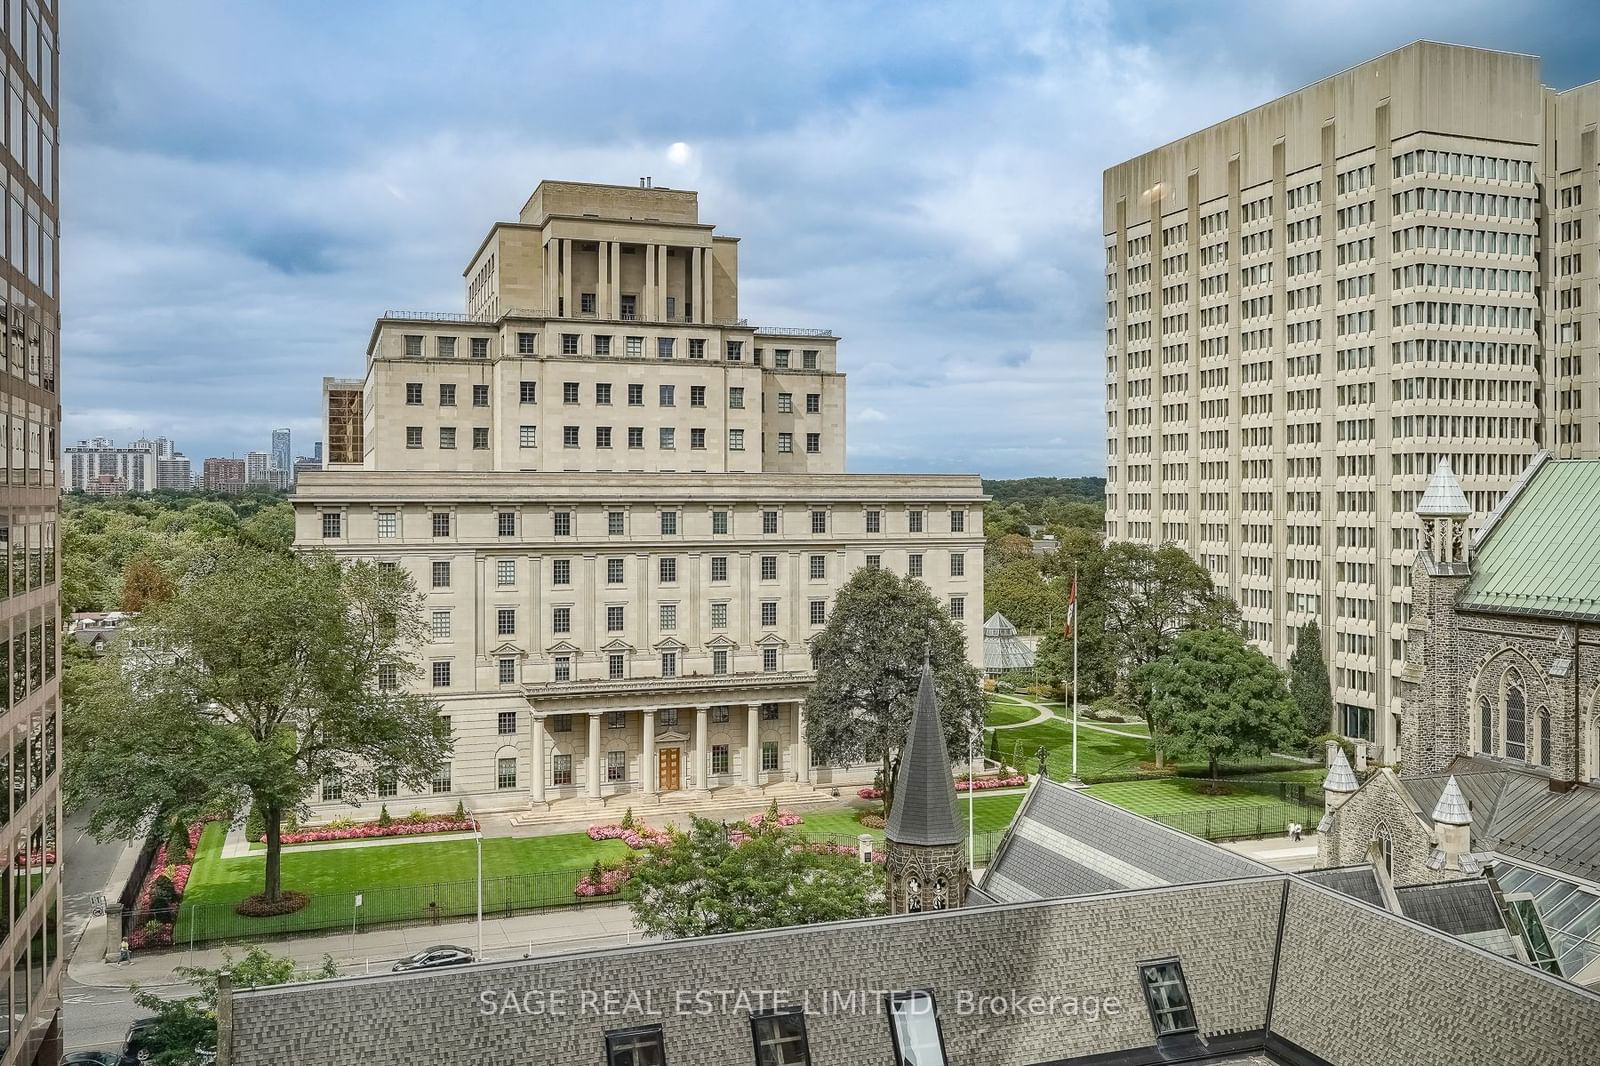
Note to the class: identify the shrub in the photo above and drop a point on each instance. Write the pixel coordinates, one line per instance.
(258, 907)
(627, 819)
(163, 896)
(419, 815)
(871, 820)
(383, 816)
(1319, 746)
(461, 811)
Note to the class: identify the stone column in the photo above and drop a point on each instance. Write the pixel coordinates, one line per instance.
(647, 772)
(695, 297)
(702, 780)
(645, 305)
(567, 308)
(550, 249)
(595, 768)
(537, 760)
(613, 308)
(601, 257)
(752, 744)
(707, 263)
(802, 750)
(661, 281)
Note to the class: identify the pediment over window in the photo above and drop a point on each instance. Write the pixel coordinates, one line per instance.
(563, 647)
(616, 645)
(505, 649)
(721, 640)
(772, 640)
(669, 644)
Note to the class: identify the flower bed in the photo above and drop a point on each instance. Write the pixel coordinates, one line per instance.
(981, 783)
(783, 820)
(637, 837)
(609, 883)
(157, 931)
(373, 831)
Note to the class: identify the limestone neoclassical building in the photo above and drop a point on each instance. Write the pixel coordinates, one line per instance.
(627, 509)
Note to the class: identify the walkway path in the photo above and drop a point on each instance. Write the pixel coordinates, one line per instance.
(1046, 714)
(236, 846)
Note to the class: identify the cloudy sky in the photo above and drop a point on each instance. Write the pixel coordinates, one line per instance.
(245, 186)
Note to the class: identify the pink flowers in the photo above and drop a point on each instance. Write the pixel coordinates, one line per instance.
(870, 793)
(783, 820)
(157, 930)
(637, 837)
(981, 783)
(609, 883)
(372, 830)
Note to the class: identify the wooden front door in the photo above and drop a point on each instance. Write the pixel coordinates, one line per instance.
(668, 770)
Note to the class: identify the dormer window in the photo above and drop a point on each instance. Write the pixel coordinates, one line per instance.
(914, 1024)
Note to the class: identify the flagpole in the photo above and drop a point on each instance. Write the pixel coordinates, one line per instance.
(972, 854)
(1075, 779)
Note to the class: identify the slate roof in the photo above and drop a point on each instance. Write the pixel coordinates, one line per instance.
(1064, 842)
(1515, 815)
(1454, 907)
(1357, 882)
(1540, 554)
(924, 811)
(1443, 496)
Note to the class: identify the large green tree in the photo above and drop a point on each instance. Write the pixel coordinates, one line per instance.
(868, 663)
(263, 674)
(1218, 700)
(1308, 682)
(702, 882)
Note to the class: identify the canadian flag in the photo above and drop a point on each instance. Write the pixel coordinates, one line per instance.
(1072, 609)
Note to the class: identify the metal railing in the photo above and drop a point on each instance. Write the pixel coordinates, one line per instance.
(793, 331)
(434, 316)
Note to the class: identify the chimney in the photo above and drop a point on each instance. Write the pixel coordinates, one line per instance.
(1452, 824)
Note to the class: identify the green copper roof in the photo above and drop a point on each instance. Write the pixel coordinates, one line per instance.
(1542, 554)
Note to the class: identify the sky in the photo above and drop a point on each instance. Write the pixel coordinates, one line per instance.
(245, 186)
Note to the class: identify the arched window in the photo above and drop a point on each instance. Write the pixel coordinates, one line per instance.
(1543, 719)
(1516, 712)
(940, 898)
(913, 895)
(1486, 725)
(1383, 845)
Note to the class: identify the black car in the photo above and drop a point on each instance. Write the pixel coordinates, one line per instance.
(136, 1045)
(436, 956)
(92, 1058)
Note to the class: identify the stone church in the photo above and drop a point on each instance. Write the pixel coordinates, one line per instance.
(1500, 770)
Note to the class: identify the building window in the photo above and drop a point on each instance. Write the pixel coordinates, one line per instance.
(525, 343)
(769, 660)
(719, 568)
(1486, 725)
(569, 392)
(616, 766)
(719, 758)
(914, 565)
(1543, 718)
(780, 1038)
(668, 716)
(668, 616)
(439, 625)
(446, 347)
(769, 712)
(586, 303)
(769, 613)
(388, 677)
(813, 443)
(441, 780)
(914, 521)
(736, 397)
(667, 570)
(769, 521)
(736, 440)
(616, 667)
(562, 671)
(719, 616)
(569, 343)
(697, 348)
(819, 567)
(506, 523)
(613, 571)
(332, 525)
(616, 719)
(441, 523)
(413, 436)
(769, 568)
(642, 1046)
(506, 772)
(669, 664)
(769, 755)
(561, 622)
(441, 574)
(560, 571)
(914, 1025)
(874, 562)
(719, 715)
(958, 564)
(561, 523)
(780, 358)
(819, 612)
(480, 347)
(602, 394)
(785, 443)
(958, 521)
(697, 440)
(785, 403)
(614, 619)
(719, 523)
(735, 351)
(388, 524)
(697, 395)
(505, 572)
(958, 608)
(527, 436)
(561, 770)
(414, 394)
(813, 403)
(561, 723)
(569, 436)
(602, 436)
(506, 723)
(636, 436)
(874, 521)
(602, 345)
(414, 346)
(635, 395)
(669, 523)
(505, 621)
(447, 437)
(508, 671)
(719, 661)
(441, 674)
(614, 523)
(819, 521)
(530, 391)
(668, 438)
(1167, 996)
(667, 396)
(664, 344)
(447, 395)
(1516, 717)
(332, 788)
(480, 438)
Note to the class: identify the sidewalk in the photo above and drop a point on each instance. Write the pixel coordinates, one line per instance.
(544, 932)
(1279, 851)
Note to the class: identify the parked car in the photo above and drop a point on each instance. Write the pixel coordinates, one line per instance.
(434, 957)
(92, 1058)
(136, 1045)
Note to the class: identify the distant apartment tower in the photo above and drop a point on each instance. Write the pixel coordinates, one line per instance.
(223, 475)
(1311, 303)
(133, 466)
(173, 473)
(257, 468)
(282, 456)
(31, 955)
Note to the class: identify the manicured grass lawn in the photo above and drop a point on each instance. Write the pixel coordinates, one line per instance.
(1008, 713)
(1246, 810)
(990, 813)
(1098, 752)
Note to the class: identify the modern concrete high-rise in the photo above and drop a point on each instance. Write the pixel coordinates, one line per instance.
(30, 884)
(282, 456)
(627, 510)
(257, 468)
(1308, 305)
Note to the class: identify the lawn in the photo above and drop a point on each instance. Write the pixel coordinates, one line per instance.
(1098, 752)
(990, 813)
(1008, 713)
(1244, 810)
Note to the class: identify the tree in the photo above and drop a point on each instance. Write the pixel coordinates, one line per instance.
(1218, 699)
(868, 663)
(264, 674)
(186, 1027)
(1149, 596)
(702, 882)
(144, 584)
(1308, 682)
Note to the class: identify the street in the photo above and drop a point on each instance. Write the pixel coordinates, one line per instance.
(94, 1018)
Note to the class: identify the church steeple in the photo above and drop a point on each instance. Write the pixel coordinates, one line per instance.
(1444, 511)
(925, 860)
